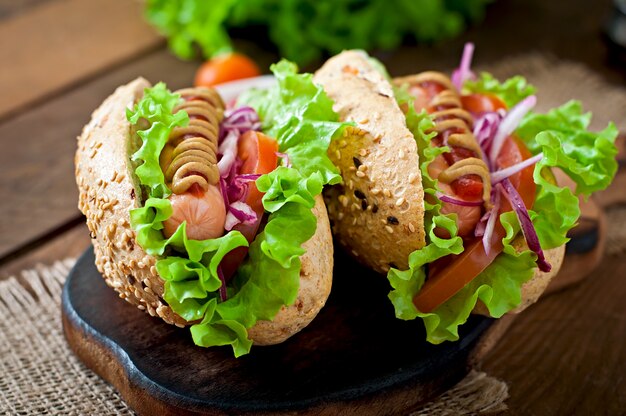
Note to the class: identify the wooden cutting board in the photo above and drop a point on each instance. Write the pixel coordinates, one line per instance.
(356, 358)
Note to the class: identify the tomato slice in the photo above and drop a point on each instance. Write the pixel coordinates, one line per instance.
(479, 103)
(445, 280)
(258, 153)
(224, 68)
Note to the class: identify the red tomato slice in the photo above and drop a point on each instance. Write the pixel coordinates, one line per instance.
(229, 67)
(423, 93)
(480, 103)
(258, 153)
(446, 279)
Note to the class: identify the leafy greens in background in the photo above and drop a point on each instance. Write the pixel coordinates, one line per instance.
(303, 30)
(299, 115)
(562, 135)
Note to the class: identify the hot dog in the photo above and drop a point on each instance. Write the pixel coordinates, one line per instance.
(447, 187)
(168, 184)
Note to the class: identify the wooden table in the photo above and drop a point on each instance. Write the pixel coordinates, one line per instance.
(60, 58)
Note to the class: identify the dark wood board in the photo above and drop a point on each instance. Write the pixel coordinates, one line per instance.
(355, 358)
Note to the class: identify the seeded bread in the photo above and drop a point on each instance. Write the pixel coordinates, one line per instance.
(108, 190)
(378, 212)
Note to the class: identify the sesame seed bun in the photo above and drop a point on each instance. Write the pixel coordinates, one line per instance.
(378, 212)
(109, 189)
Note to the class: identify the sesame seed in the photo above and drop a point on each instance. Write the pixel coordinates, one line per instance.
(360, 174)
(365, 121)
(362, 168)
(387, 193)
(412, 177)
(411, 227)
(355, 206)
(389, 229)
(357, 162)
(354, 221)
(400, 201)
(343, 143)
(340, 216)
(363, 152)
(359, 194)
(337, 154)
(352, 169)
(99, 182)
(401, 154)
(375, 191)
(343, 200)
(93, 153)
(374, 209)
(363, 204)
(392, 220)
(354, 253)
(98, 145)
(351, 184)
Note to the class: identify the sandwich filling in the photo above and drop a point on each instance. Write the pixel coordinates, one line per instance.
(458, 267)
(226, 283)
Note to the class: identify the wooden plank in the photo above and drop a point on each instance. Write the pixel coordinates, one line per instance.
(62, 42)
(566, 354)
(11, 8)
(36, 164)
(69, 244)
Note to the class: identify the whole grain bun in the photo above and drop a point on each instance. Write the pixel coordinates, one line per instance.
(109, 189)
(378, 212)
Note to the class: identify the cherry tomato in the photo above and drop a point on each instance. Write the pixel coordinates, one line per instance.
(258, 153)
(448, 277)
(224, 68)
(480, 103)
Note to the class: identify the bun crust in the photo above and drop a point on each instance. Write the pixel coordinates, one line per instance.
(109, 189)
(378, 212)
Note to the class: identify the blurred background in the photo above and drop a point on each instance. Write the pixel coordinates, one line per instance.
(60, 58)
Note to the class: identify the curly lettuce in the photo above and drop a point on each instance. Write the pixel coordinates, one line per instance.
(562, 135)
(269, 278)
(303, 30)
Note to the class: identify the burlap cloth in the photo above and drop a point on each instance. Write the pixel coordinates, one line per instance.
(40, 375)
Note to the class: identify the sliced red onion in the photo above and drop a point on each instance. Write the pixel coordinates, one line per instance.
(228, 150)
(509, 124)
(491, 222)
(239, 213)
(485, 128)
(240, 121)
(285, 158)
(528, 229)
(223, 295)
(463, 72)
(461, 202)
(501, 174)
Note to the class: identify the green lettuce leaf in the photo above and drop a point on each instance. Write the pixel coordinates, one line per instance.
(300, 116)
(588, 158)
(155, 108)
(511, 91)
(305, 30)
